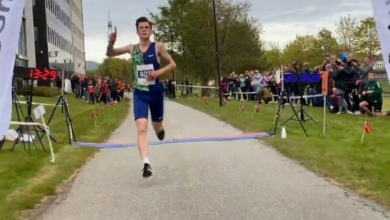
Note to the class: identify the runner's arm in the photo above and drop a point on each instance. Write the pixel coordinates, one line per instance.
(162, 50)
(112, 52)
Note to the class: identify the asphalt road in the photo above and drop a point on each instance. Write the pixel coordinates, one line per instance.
(220, 180)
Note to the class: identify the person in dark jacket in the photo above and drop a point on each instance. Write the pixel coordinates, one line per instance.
(84, 87)
(351, 71)
(339, 80)
(171, 89)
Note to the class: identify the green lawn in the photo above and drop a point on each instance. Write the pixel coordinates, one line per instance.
(385, 86)
(338, 155)
(27, 179)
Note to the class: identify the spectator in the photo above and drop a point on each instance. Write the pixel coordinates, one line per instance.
(242, 86)
(367, 68)
(224, 87)
(97, 91)
(256, 81)
(339, 79)
(104, 92)
(91, 93)
(372, 93)
(84, 86)
(120, 89)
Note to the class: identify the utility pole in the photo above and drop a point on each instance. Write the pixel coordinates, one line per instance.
(218, 55)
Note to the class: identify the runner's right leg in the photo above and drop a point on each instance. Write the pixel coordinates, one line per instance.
(141, 108)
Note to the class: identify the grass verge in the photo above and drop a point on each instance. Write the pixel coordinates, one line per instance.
(338, 155)
(385, 86)
(27, 179)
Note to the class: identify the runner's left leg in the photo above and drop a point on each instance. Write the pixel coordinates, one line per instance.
(157, 114)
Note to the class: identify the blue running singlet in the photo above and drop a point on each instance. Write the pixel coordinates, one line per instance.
(147, 94)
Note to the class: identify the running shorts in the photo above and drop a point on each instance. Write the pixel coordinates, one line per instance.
(143, 101)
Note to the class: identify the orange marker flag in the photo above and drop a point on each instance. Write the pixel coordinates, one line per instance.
(256, 109)
(94, 115)
(366, 130)
(205, 101)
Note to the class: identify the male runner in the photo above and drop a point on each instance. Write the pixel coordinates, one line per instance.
(147, 94)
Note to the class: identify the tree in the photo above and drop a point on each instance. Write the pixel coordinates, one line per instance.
(92, 73)
(189, 26)
(273, 55)
(346, 31)
(116, 68)
(368, 42)
(326, 43)
(303, 49)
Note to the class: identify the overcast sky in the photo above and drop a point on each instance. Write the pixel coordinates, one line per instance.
(282, 20)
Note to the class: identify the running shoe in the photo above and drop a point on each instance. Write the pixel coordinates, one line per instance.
(147, 171)
(161, 135)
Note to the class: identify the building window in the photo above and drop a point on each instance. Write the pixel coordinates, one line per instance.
(21, 62)
(35, 33)
(22, 48)
(59, 13)
(50, 35)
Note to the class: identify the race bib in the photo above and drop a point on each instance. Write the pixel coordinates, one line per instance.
(143, 72)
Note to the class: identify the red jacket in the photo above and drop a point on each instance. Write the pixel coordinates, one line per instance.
(91, 89)
(104, 88)
(224, 86)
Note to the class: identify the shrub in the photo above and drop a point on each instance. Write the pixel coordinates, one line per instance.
(41, 91)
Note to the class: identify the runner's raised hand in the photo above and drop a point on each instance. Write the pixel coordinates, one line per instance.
(113, 36)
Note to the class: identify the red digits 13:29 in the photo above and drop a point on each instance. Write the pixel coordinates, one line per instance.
(44, 74)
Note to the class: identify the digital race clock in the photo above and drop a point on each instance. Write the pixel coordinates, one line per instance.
(302, 78)
(43, 74)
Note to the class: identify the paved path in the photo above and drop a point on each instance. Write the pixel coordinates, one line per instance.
(220, 180)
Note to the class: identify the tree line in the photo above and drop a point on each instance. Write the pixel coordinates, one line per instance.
(187, 29)
(114, 68)
(351, 36)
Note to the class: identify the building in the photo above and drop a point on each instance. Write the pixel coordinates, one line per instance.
(25, 55)
(28, 23)
(78, 36)
(379, 66)
(59, 35)
(26, 41)
(21, 54)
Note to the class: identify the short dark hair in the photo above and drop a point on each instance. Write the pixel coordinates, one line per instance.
(142, 19)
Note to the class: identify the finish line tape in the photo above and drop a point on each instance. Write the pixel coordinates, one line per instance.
(175, 141)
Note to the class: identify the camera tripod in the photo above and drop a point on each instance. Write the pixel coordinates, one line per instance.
(63, 102)
(18, 110)
(17, 106)
(302, 113)
(295, 113)
(24, 129)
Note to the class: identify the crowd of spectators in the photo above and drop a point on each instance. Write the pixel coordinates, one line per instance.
(168, 87)
(98, 89)
(352, 86)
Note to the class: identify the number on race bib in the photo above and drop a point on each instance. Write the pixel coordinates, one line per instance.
(143, 72)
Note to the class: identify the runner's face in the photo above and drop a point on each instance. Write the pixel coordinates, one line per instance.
(144, 30)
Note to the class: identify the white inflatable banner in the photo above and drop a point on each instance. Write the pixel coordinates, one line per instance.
(382, 20)
(11, 12)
